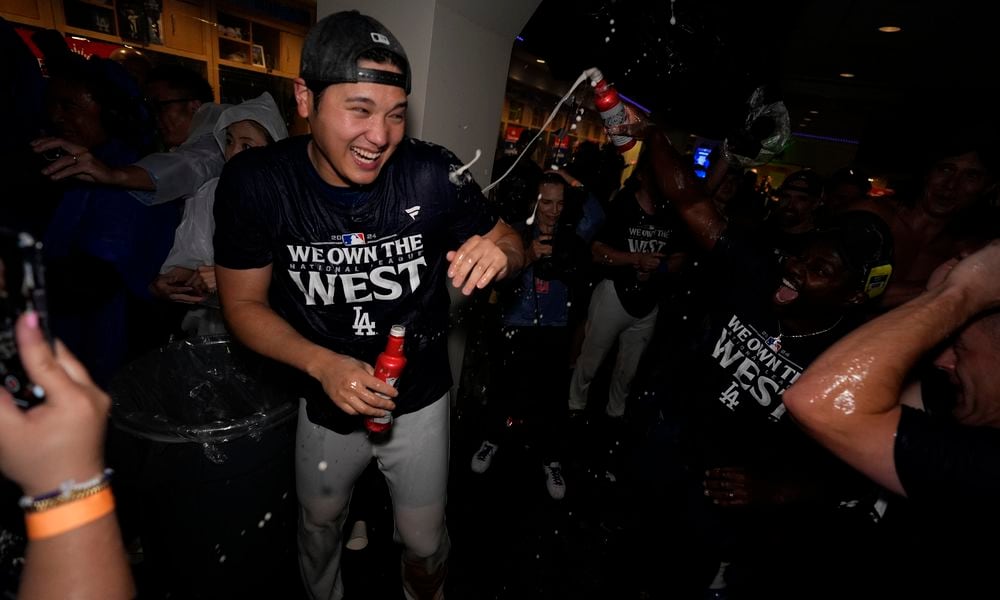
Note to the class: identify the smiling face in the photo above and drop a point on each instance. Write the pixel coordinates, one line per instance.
(971, 365)
(550, 205)
(817, 282)
(355, 128)
(953, 184)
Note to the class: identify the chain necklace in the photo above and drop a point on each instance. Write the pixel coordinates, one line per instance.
(774, 342)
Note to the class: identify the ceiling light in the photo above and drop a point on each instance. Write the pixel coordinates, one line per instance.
(807, 119)
(540, 61)
(890, 29)
(814, 112)
(847, 75)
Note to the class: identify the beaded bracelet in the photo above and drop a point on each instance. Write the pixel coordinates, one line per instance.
(69, 516)
(73, 496)
(68, 491)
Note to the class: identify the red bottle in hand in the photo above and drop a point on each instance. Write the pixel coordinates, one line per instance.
(612, 110)
(388, 368)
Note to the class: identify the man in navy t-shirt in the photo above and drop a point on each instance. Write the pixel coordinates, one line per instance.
(323, 243)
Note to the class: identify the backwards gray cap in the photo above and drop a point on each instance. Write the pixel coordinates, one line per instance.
(335, 43)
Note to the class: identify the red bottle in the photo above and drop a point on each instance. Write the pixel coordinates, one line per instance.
(612, 110)
(388, 368)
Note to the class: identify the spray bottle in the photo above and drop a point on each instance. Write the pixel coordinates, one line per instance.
(611, 107)
(388, 368)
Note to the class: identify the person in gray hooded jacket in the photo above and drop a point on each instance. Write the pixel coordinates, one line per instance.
(188, 273)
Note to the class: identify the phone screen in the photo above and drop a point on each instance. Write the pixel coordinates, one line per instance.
(22, 287)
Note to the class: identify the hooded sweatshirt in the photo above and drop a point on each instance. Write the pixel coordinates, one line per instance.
(193, 238)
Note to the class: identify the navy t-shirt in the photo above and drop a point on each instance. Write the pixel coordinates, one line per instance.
(348, 263)
(629, 228)
(736, 374)
(942, 462)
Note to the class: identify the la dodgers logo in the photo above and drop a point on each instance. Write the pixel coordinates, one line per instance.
(362, 322)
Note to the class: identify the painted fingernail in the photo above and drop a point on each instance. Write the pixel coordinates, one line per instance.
(31, 318)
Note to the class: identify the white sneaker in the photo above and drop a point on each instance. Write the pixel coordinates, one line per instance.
(482, 459)
(554, 481)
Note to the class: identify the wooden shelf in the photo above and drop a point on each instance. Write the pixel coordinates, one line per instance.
(267, 47)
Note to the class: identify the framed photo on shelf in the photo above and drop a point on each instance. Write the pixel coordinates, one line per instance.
(257, 55)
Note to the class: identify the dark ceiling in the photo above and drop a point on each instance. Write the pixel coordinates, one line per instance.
(941, 72)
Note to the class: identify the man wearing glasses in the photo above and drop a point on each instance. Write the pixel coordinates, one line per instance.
(181, 101)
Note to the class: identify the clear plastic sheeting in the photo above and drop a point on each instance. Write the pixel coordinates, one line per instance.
(206, 390)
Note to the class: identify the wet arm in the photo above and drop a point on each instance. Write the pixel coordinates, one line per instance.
(849, 399)
(676, 181)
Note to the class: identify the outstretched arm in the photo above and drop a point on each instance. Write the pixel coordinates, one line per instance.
(849, 398)
(77, 161)
(676, 181)
(482, 259)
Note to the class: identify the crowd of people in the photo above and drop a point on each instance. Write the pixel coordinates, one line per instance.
(775, 356)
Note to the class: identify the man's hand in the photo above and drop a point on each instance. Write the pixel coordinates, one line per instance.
(976, 275)
(540, 247)
(636, 124)
(735, 486)
(173, 285)
(76, 161)
(475, 264)
(941, 273)
(63, 437)
(202, 281)
(647, 262)
(728, 486)
(352, 385)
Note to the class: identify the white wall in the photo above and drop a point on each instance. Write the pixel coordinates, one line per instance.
(459, 52)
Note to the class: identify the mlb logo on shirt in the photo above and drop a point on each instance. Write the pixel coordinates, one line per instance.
(353, 239)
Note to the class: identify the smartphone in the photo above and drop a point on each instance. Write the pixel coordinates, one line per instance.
(22, 287)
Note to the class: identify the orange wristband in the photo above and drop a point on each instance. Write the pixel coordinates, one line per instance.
(70, 516)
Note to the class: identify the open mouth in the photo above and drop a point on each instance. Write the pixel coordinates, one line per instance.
(365, 157)
(786, 292)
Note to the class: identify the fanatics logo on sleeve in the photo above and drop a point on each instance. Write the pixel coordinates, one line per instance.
(413, 211)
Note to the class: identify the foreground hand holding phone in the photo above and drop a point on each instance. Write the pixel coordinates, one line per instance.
(22, 289)
(56, 443)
